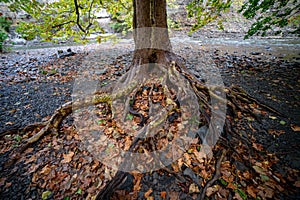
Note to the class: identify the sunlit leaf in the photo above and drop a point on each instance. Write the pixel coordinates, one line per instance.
(282, 122)
(46, 194)
(241, 193)
(79, 191)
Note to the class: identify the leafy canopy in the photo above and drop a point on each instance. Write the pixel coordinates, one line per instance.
(68, 19)
(76, 19)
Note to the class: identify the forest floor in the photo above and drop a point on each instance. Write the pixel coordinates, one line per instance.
(34, 83)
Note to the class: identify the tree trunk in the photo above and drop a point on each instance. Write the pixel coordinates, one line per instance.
(150, 32)
(152, 45)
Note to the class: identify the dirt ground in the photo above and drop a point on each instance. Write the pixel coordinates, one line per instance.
(31, 89)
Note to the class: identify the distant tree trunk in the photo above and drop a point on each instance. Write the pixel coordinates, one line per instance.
(151, 36)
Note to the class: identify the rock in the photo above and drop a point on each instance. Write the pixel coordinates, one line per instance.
(255, 53)
(118, 73)
(101, 72)
(18, 41)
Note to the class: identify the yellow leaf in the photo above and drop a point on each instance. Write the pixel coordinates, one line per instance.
(46, 194)
(193, 188)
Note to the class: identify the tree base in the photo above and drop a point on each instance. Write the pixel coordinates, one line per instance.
(239, 105)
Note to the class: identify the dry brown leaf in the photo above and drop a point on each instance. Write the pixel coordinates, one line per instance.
(147, 194)
(231, 186)
(237, 196)
(200, 156)
(174, 195)
(28, 150)
(127, 143)
(297, 184)
(259, 170)
(137, 181)
(163, 195)
(67, 157)
(251, 191)
(295, 127)
(258, 147)
(193, 188)
(175, 167)
(31, 159)
(269, 193)
(187, 159)
(211, 190)
(276, 132)
(46, 170)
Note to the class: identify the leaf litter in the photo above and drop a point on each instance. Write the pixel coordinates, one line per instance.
(60, 167)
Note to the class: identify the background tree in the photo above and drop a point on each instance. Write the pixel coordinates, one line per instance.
(73, 19)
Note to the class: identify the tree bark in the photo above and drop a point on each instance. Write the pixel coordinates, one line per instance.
(151, 35)
(152, 45)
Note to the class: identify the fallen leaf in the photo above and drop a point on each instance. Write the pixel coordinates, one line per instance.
(79, 191)
(241, 194)
(295, 127)
(45, 170)
(258, 147)
(272, 117)
(269, 193)
(193, 188)
(282, 122)
(163, 194)
(200, 156)
(297, 184)
(251, 191)
(264, 178)
(276, 132)
(259, 170)
(147, 194)
(173, 195)
(46, 194)
(67, 157)
(211, 190)
(137, 181)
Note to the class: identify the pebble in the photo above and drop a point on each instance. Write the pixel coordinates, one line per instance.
(101, 72)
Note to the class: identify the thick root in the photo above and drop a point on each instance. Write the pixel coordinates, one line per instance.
(53, 124)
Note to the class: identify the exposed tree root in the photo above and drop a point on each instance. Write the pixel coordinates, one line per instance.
(215, 177)
(53, 124)
(236, 97)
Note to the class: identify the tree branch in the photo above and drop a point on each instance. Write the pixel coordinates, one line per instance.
(78, 17)
(62, 24)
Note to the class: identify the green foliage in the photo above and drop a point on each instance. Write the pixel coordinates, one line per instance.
(121, 12)
(75, 20)
(272, 14)
(71, 19)
(4, 28)
(206, 11)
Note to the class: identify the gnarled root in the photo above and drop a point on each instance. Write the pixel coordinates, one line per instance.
(53, 124)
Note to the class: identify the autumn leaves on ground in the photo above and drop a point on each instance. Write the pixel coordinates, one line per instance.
(59, 166)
